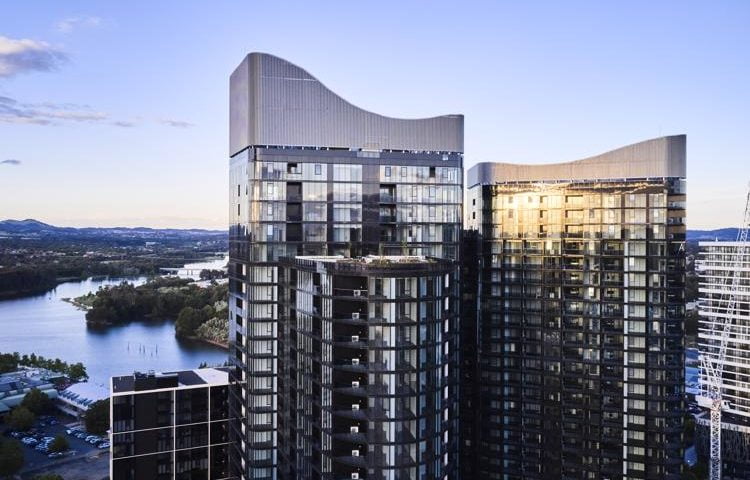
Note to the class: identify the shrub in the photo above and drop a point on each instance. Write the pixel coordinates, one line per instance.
(21, 418)
(59, 444)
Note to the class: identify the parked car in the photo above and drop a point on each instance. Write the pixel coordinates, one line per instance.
(16, 434)
(103, 445)
(81, 435)
(56, 455)
(93, 439)
(29, 441)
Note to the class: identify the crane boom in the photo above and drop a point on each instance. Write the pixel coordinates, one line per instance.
(713, 365)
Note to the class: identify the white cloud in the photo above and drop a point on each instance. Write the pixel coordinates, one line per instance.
(122, 123)
(175, 123)
(67, 25)
(24, 55)
(12, 111)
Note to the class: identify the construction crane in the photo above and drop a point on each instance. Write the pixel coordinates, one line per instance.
(713, 365)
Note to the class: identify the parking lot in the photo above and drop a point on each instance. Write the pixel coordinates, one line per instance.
(38, 461)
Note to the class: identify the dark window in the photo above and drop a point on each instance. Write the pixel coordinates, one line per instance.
(294, 212)
(192, 405)
(293, 191)
(387, 171)
(432, 172)
(318, 169)
(294, 232)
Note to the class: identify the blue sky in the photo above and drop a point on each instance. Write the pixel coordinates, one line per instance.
(115, 113)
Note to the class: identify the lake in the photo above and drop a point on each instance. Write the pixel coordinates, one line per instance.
(48, 326)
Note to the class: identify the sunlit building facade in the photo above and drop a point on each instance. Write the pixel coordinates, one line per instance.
(312, 175)
(581, 312)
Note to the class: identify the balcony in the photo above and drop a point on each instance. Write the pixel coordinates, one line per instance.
(352, 461)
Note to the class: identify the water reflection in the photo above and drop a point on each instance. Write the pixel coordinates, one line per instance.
(48, 326)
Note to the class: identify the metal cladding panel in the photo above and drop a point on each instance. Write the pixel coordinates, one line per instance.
(656, 158)
(286, 106)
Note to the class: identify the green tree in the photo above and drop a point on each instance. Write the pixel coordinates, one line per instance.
(187, 321)
(37, 401)
(97, 417)
(78, 372)
(11, 458)
(59, 444)
(8, 363)
(21, 418)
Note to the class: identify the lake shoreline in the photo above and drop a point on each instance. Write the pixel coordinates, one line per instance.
(78, 305)
(47, 326)
(215, 343)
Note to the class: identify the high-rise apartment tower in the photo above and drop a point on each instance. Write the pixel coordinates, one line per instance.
(581, 309)
(315, 176)
(717, 263)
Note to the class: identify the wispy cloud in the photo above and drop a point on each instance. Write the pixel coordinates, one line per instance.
(24, 55)
(67, 25)
(10, 161)
(13, 111)
(49, 113)
(175, 123)
(122, 123)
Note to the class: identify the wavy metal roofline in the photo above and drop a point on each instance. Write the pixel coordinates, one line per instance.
(660, 157)
(275, 102)
(313, 77)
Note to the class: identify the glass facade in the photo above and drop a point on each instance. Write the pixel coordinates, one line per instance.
(286, 202)
(373, 367)
(717, 264)
(179, 432)
(580, 328)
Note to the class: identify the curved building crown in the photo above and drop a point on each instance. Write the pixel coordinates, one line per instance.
(274, 102)
(661, 157)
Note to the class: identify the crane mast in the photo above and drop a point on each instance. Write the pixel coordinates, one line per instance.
(713, 366)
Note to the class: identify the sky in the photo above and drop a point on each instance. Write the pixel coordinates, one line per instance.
(116, 113)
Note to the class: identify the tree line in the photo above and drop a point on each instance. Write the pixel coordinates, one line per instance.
(10, 362)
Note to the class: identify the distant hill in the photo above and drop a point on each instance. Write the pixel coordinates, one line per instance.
(721, 234)
(30, 228)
